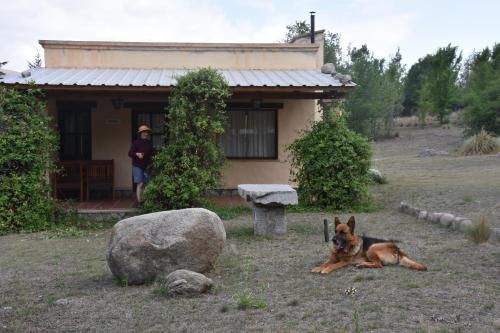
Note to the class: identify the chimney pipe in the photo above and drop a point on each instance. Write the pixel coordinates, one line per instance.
(312, 27)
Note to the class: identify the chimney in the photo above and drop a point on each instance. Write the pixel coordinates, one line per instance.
(312, 27)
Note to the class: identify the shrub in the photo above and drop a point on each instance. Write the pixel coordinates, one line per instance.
(190, 164)
(481, 232)
(27, 145)
(330, 163)
(481, 143)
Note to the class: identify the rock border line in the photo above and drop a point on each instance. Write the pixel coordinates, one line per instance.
(462, 224)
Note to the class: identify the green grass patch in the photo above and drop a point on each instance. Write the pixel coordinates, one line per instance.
(364, 207)
(228, 213)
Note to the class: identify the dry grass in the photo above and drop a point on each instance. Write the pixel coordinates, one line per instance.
(481, 231)
(454, 295)
(480, 144)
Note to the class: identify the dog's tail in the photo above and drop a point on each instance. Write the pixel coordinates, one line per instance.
(407, 262)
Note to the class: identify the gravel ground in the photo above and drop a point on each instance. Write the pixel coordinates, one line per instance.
(63, 284)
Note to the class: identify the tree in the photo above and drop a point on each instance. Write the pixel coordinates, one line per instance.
(333, 51)
(2, 63)
(190, 165)
(36, 63)
(297, 28)
(482, 91)
(377, 97)
(332, 48)
(412, 86)
(438, 92)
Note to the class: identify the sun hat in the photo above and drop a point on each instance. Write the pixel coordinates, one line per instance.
(144, 128)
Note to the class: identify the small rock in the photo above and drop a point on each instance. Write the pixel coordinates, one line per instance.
(375, 172)
(496, 323)
(187, 283)
(446, 219)
(328, 68)
(436, 217)
(495, 234)
(465, 225)
(431, 217)
(422, 215)
(7, 308)
(62, 301)
(403, 206)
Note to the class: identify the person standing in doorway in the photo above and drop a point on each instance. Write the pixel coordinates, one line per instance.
(141, 152)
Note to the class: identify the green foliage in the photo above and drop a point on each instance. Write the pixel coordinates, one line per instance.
(297, 28)
(439, 92)
(27, 146)
(482, 91)
(246, 298)
(412, 86)
(2, 63)
(330, 164)
(228, 213)
(190, 164)
(333, 51)
(36, 63)
(378, 96)
(481, 143)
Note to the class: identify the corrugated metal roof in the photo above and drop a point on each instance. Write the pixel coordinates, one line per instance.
(166, 77)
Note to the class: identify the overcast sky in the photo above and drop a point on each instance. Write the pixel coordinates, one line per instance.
(418, 27)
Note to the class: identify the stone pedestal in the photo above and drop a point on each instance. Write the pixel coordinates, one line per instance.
(268, 203)
(268, 220)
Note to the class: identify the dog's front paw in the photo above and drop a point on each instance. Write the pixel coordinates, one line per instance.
(316, 270)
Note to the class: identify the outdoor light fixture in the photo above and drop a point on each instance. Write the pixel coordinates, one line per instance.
(117, 103)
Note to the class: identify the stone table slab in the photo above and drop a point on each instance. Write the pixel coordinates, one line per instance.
(268, 194)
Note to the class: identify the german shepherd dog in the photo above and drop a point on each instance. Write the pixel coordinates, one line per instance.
(366, 252)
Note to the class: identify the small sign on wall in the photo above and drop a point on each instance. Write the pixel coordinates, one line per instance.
(112, 121)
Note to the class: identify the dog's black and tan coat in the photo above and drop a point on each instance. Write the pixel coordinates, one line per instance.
(365, 252)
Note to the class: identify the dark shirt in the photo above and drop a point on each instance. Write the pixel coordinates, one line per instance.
(142, 146)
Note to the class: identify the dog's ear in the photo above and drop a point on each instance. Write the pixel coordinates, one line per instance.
(337, 221)
(351, 223)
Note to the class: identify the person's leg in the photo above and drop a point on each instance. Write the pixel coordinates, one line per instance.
(138, 177)
(139, 190)
(142, 185)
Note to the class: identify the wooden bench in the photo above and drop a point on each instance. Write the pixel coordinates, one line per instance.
(84, 176)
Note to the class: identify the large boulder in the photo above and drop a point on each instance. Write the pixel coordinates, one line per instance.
(146, 246)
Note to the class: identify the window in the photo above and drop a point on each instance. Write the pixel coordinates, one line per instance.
(251, 134)
(74, 127)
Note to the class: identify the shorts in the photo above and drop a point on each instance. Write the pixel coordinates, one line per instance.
(140, 175)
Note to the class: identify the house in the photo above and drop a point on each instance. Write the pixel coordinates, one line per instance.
(100, 92)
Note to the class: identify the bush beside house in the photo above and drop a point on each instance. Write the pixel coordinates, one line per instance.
(27, 147)
(190, 165)
(330, 163)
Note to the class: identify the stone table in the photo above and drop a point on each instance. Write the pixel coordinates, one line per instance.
(268, 203)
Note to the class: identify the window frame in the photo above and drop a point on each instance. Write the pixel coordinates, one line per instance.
(75, 106)
(264, 107)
